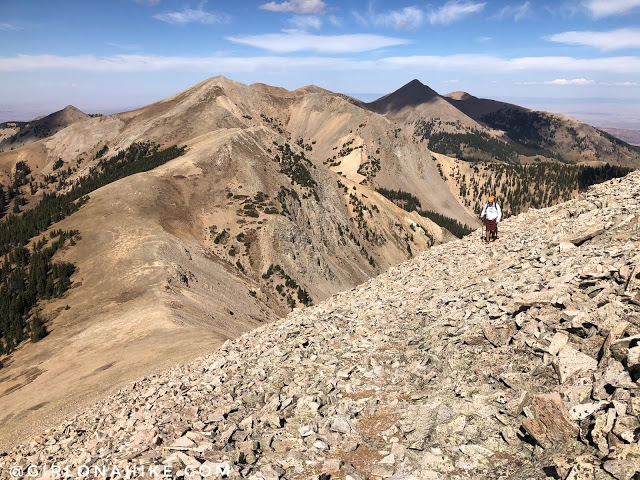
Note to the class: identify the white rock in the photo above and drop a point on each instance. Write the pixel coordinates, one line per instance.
(558, 341)
(571, 361)
(306, 430)
(583, 410)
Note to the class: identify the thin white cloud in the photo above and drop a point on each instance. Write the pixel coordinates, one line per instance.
(8, 27)
(564, 9)
(454, 10)
(218, 64)
(497, 65)
(296, 6)
(484, 39)
(607, 8)
(619, 84)
(517, 12)
(299, 41)
(154, 63)
(607, 41)
(579, 82)
(406, 19)
(334, 21)
(412, 17)
(190, 15)
(306, 22)
(566, 82)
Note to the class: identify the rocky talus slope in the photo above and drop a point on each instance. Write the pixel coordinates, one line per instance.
(519, 359)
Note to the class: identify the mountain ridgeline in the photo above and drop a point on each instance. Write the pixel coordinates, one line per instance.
(17, 134)
(473, 129)
(149, 237)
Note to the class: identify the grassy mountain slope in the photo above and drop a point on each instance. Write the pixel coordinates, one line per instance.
(571, 140)
(18, 134)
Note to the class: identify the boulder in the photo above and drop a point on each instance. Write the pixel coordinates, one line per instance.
(622, 469)
(552, 423)
(571, 361)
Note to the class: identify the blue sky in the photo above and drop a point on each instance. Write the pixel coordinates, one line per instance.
(110, 55)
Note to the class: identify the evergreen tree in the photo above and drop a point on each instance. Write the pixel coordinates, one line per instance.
(38, 328)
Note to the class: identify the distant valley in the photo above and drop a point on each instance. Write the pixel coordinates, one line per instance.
(630, 136)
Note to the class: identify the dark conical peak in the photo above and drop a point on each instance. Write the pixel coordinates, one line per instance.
(416, 83)
(416, 89)
(413, 93)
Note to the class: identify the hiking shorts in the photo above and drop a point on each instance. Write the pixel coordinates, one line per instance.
(491, 225)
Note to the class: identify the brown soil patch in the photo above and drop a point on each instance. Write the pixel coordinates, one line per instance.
(360, 395)
(372, 425)
(362, 457)
(308, 472)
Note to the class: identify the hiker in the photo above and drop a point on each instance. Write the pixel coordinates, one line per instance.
(493, 216)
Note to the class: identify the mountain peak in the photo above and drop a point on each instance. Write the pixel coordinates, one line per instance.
(307, 89)
(71, 110)
(415, 82)
(460, 95)
(413, 93)
(417, 89)
(70, 113)
(221, 81)
(219, 78)
(215, 81)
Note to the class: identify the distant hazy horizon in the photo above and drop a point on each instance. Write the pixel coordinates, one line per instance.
(598, 112)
